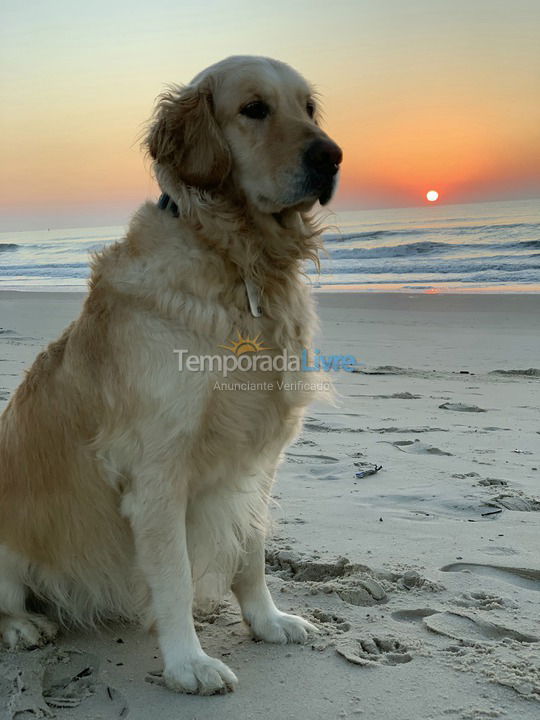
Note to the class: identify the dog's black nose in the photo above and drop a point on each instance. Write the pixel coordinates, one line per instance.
(324, 156)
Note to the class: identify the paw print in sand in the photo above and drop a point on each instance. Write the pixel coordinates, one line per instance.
(374, 651)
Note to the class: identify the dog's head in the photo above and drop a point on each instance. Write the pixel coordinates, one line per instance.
(248, 124)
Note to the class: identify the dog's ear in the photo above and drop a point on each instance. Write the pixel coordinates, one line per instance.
(185, 136)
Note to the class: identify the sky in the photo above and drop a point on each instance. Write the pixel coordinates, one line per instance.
(440, 94)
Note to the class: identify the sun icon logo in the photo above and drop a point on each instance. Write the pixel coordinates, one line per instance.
(245, 345)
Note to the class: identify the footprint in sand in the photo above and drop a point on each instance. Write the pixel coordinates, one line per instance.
(73, 679)
(412, 616)
(461, 407)
(354, 584)
(521, 577)
(362, 592)
(497, 550)
(424, 429)
(385, 370)
(418, 448)
(460, 626)
(314, 425)
(12, 338)
(470, 629)
(394, 396)
(370, 650)
(515, 501)
(48, 682)
(492, 482)
(293, 566)
(483, 601)
(69, 678)
(529, 372)
(330, 622)
(302, 458)
(303, 442)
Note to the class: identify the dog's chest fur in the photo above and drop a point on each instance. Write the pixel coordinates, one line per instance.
(177, 295)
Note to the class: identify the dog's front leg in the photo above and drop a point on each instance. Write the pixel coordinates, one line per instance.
(258, 609)
(159, 528)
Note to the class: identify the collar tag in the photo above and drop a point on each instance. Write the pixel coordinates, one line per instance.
(254, 298)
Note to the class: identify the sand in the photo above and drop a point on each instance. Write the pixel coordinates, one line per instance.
(424, 577)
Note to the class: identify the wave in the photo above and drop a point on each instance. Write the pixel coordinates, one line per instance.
(529, 372)
(431, 230)
(106, 237)
(469, 265)
(73, 270)
(413, 250)
(429, 282)
(344, 237)
(427, 247)
(417, 248)
(527, 243)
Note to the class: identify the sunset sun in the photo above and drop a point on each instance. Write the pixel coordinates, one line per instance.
(432, 195)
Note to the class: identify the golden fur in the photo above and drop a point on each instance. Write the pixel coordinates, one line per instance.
(124, 482)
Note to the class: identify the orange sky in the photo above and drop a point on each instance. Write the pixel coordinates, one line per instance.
(442, 94)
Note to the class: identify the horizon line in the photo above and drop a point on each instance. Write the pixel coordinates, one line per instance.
(331, 211)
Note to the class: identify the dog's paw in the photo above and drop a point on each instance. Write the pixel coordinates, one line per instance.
(201, 675)
(26, 631)
(279, 627)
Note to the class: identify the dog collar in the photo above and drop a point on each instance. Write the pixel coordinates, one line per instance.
(165, 202)
(253, 293)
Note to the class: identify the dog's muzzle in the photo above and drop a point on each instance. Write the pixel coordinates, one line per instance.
(321, 161)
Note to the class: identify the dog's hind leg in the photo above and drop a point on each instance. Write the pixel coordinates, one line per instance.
(19, 628)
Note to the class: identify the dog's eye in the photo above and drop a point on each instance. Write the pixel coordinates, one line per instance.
(256, 110)
(310, 108)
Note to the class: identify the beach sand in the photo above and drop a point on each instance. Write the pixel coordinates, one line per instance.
(424, 578)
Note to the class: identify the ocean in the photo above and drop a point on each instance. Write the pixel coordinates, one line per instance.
(480, 247)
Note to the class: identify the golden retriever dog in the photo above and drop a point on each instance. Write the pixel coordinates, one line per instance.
(130, 487)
